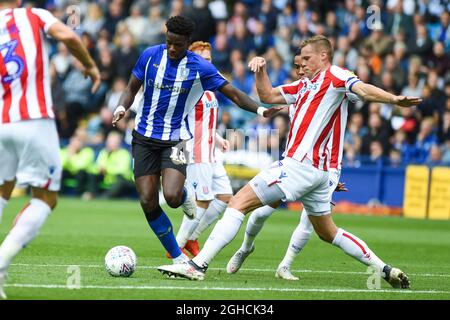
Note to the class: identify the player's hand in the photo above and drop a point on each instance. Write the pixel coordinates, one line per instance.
(94, 74)
(270, 112)
(403, 101)
(341, 187)
(257, 64)
(118, 114)
(225, 145)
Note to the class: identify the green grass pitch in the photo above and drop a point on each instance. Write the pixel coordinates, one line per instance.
(80, 233)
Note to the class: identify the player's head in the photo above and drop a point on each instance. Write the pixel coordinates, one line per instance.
(178, 36)
(201, 48)
(316, 52)
(298, 64)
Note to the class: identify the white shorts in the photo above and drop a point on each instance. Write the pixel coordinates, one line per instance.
(334, 177)
(29, 152)
(208, 180)
(292, 180)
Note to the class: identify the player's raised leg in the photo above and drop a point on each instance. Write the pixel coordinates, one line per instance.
(358, 249)
(253, 195)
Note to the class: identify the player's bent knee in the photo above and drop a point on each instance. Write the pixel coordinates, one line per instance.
(173, 200)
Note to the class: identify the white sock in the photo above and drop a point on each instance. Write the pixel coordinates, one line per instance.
(180, 259)
(254, 226)
(3, 203)
(215, 209)
(26, 229)
(357, 248)
(188, 226)
(223, 233)
(299, 239)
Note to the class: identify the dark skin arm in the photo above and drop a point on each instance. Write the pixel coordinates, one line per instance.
(244, 101)
(127, 97)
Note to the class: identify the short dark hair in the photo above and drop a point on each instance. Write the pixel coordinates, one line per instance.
(180, 25)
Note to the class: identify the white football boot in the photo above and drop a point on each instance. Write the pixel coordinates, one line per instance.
(284, 272)
(188, 270)
(237, 260)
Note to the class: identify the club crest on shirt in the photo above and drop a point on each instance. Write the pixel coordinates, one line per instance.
(184, 73)
(309, 87)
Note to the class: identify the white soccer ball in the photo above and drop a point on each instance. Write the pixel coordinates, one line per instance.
(120, 261)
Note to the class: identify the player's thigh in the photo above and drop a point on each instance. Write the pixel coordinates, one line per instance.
(147, 187)
(200, 178)
(8, 155)
(146, 158)
(172, 184)
(39, 163)
(251, 196)
(221, 184)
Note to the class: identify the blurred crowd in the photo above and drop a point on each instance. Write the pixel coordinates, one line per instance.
(400, 46)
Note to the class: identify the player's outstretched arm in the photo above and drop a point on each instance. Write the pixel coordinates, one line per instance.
(267, 93)
(246, 103)
(371, 93)
(61, 32)
(127, 98)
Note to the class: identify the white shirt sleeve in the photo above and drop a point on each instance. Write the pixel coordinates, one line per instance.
(345, 77)
(46, 18)
(290, 91)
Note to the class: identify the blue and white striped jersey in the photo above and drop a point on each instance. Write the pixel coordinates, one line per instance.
(171, 90)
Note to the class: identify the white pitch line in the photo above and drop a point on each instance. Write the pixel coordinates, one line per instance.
(54, 286)
(223, 269)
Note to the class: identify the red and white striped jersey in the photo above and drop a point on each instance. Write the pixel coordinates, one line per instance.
(318, 103)
(24, 67)
(202, 122)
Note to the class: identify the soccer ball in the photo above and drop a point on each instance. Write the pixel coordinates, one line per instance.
(120, 261)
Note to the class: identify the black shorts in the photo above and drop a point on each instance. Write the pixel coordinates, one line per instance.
(152, 155)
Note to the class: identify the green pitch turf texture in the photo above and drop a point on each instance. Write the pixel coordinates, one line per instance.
(80, 233)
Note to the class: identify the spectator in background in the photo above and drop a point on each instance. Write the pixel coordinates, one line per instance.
(77, 159)
(262, 39)
(113, 16)
(153, 32)
(435, 156)
(94, 19)
(267, 14)
(376, 150)
(350, 54)
(112, 175)
(113, 96)
(426, 138)
(398, 20)
(283, 46)
(421, 44)
(220, 53)
(241, 79)
(240, 40)
(277, 74)
(378, 131)
(204, 22)
(126, 55)
(77, 93)
(136, 24)
(381, 43)
(439, 60)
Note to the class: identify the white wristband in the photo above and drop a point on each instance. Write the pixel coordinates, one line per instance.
(261, 110)
(119, 109)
